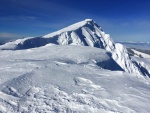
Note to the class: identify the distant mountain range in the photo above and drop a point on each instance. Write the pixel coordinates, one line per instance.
(137, 45)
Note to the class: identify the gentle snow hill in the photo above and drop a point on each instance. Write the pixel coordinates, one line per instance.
(63, 54)
(68, 79)
(86, 33)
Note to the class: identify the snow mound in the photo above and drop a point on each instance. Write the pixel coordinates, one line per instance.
(67, 79)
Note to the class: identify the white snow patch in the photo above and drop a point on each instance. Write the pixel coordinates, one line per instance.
(144, 55)
(66, 79)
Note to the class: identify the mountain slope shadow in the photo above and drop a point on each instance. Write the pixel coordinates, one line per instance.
(110, 64)
(36, 42)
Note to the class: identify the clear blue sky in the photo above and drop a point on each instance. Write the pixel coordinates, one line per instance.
(124, 20)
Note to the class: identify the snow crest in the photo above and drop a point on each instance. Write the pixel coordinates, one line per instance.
(86, 33)
(90, 34)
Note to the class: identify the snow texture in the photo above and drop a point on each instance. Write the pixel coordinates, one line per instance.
(68, 79)
(141, 54)
(78, 69)
(86, 33)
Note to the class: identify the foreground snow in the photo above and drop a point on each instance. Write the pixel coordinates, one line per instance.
(66, 79)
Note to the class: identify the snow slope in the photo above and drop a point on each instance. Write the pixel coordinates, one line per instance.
(68, 79)
(138, 53)
(143, 64)
(86, 33)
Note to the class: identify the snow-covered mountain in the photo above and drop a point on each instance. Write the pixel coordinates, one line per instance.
(78, 69)
(86, 33)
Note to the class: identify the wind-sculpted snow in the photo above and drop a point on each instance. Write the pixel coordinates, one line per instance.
(86, 33)
(67, 79)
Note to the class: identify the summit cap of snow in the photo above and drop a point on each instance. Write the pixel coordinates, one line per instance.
(89, 20)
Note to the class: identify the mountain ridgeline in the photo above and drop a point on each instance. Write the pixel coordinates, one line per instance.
(85, 33)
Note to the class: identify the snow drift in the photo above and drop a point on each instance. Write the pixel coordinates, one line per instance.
(68, 79)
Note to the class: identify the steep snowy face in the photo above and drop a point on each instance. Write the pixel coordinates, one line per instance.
(120, 55)
(86, 33)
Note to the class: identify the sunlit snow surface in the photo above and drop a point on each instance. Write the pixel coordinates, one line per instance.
(86, 33)
(68, 79)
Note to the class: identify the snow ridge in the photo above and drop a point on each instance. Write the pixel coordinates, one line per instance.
(86, 33)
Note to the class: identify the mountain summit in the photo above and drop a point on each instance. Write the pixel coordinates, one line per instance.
(86, 33)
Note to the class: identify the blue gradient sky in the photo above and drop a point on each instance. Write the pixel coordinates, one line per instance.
(124, 20)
